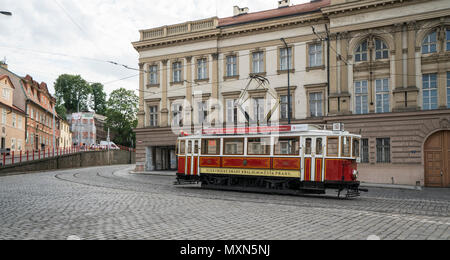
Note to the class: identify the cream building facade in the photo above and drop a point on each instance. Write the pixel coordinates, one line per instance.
(12, 119)
(65, 138)
(387, 78)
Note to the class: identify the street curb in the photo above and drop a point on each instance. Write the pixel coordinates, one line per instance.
(391, 186)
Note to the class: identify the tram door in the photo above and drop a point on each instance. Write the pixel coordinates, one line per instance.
(313, 159)
(193, 157)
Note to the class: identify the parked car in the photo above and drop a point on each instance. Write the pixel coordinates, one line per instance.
(112, 146)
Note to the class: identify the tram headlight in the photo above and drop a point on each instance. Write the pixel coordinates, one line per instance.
(355, 175)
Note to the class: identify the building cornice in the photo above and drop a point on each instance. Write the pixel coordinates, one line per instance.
(364, 6)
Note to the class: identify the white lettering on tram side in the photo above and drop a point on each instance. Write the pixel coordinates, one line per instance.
(263, 250)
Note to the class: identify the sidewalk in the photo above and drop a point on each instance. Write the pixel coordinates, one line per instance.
(390, 186)
(157, 173)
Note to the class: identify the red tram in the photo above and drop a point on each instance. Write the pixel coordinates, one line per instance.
(296, 159)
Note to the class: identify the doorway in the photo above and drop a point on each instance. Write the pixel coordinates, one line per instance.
(436, 160)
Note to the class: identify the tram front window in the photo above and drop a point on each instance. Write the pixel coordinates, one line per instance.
(287, 146)
(259, 146)
(234, 146)
(346, 144)
(333, 146)
(319, 146)
(356, 147)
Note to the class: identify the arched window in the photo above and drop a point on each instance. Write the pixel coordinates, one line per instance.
(381, 50)
(361, 52)
(429, 44)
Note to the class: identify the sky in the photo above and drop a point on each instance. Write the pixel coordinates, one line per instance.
(47, 38)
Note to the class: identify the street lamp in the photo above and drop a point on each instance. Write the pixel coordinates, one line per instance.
(6, 13)
(289, 80)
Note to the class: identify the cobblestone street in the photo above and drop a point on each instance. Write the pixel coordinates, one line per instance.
(111, 203)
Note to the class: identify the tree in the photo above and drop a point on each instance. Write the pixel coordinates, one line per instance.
(99, 98)
(72, 90)
(122, 116)
(61, 111)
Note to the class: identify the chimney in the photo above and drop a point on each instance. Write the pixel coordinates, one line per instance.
(240, 11)
(4, 65)
(284, 3)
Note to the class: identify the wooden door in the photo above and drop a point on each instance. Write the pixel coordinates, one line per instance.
(437, 159)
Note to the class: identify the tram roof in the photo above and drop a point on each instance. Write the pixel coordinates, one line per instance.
(292, 130)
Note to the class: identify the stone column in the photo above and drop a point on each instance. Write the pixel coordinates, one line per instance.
(333, 76)
(164, 101)
(215, 89)
(412, 54)
(188, 107)
(141, 113)
(398, 31)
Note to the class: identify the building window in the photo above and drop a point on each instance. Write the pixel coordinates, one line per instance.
(19, 145)
(259, 109)
(430, 92)
(315, 55)
(153, 116)
(6, 93)
(361, 52)
(3, 116)
(361, 97)
(231, 66)
(284, 107)
(202, 70)
(232, 112)
(381, 50)
(176, 68)
(448, 89)
(177, 115)
(14, 123)
(19, 122)
(13, 144)
(383, 150)
(365, 150)
(429, 44)
(258, 62)
(286, 58)
(202, 111)
(316, 104)
(154, 74)
(382, 95)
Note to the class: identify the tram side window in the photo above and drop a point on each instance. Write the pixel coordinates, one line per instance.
(259, 146)
(189, 147)
(233, 146)
(346, 144)
(319, 146)
(287, 146)
(333, 146)
(211, 147)
(356, 146)
(308, 146)
(182, 149)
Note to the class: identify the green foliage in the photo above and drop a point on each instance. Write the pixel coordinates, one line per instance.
(71, 90)
(61, 111)
(99, 98)
(122, 116)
